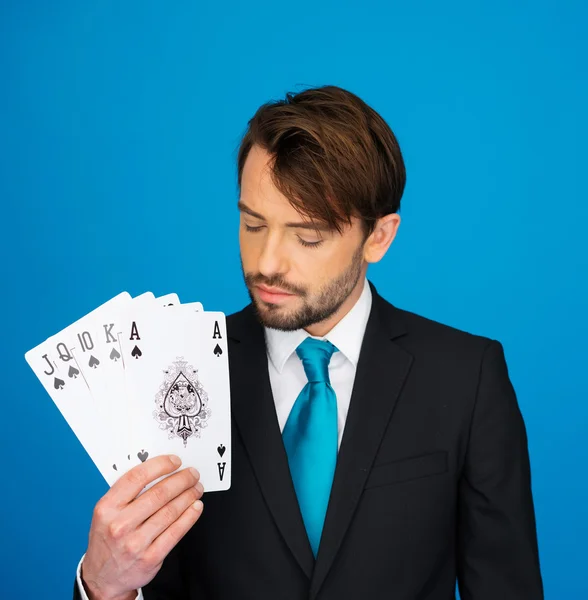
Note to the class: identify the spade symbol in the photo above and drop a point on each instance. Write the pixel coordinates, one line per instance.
(136, 352)
(114, 355)
(73, 372)
(58, 384)
(93, 362)
(142, 456)
(218, 350)
(221, 450)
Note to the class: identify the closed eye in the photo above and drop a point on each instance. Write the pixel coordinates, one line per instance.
(302, 242)
(310, 244)
(249, 228)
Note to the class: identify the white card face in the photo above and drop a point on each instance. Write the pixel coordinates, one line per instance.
(177, 375)
(195, 306)
(72, 397)
(82, 343)
(82, 368)
(137, 304)
(110, 391)
(168, 300)
(144, 297)
(142, 302)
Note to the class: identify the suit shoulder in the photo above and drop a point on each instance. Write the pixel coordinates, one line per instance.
(443, 349)
(435, 334)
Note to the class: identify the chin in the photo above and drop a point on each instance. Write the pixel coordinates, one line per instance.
(274, 316)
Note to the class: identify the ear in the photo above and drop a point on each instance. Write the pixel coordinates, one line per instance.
(379, 240)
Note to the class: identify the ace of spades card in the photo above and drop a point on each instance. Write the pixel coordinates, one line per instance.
(177, 381)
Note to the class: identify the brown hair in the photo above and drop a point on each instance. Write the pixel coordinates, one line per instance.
(333, 156)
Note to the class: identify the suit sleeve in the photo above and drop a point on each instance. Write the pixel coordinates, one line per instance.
(497, 553)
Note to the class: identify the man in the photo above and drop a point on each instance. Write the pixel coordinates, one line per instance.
(377, 454)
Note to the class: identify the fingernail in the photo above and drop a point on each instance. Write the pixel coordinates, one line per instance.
(195, 472)
(198, 506)
(199, 487)
(176, 460)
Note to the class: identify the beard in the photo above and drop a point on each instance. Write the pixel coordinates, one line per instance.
(315, 307)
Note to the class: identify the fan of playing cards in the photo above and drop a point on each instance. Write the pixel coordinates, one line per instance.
(139, 377)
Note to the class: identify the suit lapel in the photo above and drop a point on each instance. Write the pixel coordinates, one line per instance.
(381, 371)
(255, 416)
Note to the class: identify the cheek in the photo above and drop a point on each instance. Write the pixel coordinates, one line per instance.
(249, 251)
(329, 262)
(313, 266)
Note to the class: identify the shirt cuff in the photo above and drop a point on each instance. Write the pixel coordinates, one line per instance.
(81, 585)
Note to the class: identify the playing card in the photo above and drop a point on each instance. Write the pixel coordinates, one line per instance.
(90, 342)
(196, 306)
(68, 390)
(167, 300)
(139, 303)
(177, 377)
(82, 368)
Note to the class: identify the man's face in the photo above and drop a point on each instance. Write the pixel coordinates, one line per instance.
(296, 276)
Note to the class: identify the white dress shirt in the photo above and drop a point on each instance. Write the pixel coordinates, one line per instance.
(287, 376)
(286, 372)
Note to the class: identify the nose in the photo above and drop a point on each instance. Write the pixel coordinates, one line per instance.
(273, 259)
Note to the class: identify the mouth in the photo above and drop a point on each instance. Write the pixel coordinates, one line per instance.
(273, 295)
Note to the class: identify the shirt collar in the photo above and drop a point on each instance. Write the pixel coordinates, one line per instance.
(347, 335)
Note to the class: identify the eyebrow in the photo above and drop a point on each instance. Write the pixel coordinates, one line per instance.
(299, 225)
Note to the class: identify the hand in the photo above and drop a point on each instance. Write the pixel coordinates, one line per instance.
(129, 536)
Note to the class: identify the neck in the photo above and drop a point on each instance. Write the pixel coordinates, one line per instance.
(321, 328)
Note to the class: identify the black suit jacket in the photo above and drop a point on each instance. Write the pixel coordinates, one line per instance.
(432, 482)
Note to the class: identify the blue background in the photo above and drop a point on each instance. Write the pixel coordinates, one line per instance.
(119, 124)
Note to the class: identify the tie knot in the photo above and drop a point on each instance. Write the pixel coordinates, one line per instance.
(315, 356)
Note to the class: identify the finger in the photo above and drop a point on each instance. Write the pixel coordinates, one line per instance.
(127, 487)
(157, 497)
(168, 539)
(168, 514)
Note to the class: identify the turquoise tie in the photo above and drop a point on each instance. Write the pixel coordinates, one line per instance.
(311, 438)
